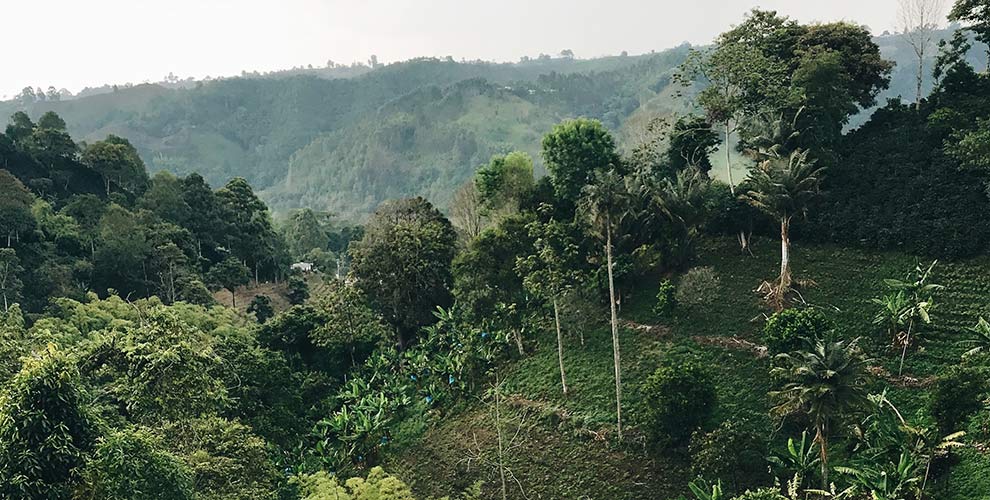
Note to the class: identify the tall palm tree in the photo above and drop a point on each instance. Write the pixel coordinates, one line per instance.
(783, 186)
(603, 203)
(825, 383)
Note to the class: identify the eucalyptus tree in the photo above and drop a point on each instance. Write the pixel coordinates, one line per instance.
(603, 204)
(825, 383)
(784, 186)
(230, 273)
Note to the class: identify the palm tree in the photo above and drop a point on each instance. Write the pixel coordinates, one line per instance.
(782, 187)
(682, 202)
(826, 382)
(602, 203)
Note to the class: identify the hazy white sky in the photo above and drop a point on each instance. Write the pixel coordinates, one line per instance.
(78, 43)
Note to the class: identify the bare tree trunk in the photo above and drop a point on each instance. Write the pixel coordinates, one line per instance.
(498, 432)
(615, 328)
(728, 160)
(920, 78)
(904, 348)
(233, 299)
(6, 307)
(560, 346)
(517, 335)
(785, 252)
(823, 450)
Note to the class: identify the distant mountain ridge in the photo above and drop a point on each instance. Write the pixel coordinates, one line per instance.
(419, 127)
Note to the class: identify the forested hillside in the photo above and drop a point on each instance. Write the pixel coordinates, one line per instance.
(596, 314)
(308, 138)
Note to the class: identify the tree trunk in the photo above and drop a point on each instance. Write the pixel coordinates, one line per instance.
(498, 432)
(615, 328)
(823, 450)
(233, 299)
(904, 348)
(920, 78)
(728, 161)
(517, 335)
(785, 259)
(6, 308)
(560, 346)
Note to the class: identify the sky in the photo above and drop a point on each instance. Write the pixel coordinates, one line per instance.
(73, 44)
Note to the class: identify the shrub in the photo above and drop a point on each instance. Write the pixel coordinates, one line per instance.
(761, 494)
(131, 465)
(788, 330)
(978, 428)
(732, 453)
(379, 484)
(666, 300)
(297, 290)
(698, 286)
(957, 396)
(679, 399)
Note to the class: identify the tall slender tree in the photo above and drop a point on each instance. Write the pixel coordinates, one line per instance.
(603, 203)
(919, 20)
(551, 271)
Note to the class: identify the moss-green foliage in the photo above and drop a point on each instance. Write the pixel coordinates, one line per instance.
(792, 329)
(160, 370)
(133, 465)
(678, 399)
(377, 486)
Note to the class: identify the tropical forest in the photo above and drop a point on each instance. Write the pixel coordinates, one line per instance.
(754, 269)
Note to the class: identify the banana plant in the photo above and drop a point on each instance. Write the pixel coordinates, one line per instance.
(915, 306)
(894, 481)
(980, 338)
(704, 491)
(800, 461)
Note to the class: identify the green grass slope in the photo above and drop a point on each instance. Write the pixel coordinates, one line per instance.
(565, 447)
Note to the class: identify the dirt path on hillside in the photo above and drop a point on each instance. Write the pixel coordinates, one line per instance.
(761, 351)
